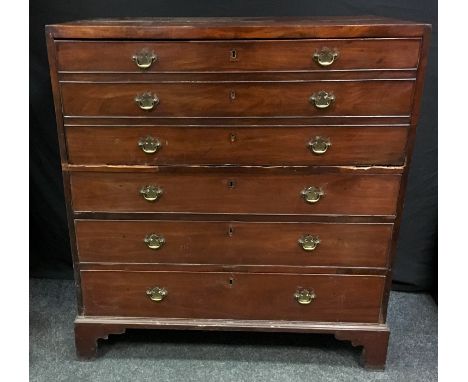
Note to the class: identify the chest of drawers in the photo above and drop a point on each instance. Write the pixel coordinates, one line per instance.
(236, 174)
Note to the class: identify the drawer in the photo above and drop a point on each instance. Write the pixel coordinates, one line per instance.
(238, 55)
(197, 99)
(235, 192)
(236, 145)
(343, 298)
(233, 243)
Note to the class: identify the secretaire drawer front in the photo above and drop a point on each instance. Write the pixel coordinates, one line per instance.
(315, 98)
(235, 193)
(381, 145)
(234, 243)
(192, 56)
(232, 295)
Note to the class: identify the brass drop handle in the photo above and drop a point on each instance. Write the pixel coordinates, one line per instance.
(154, 241)
(144, 59)
(319, 145)
(151, 193)
(304, 296)
(325, 56)
(322, 99)
(312, 194)
(309, 242)
(149, 145)
(146, 101)
(156, 294)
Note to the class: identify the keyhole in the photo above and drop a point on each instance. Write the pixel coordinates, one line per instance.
(233, 56)
(231, 281)
(231, 183)
(232, 137)
(232, 95)
(230, 231)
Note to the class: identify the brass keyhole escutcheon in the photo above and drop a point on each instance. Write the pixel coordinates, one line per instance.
(156, 294)
(312, 194)
(151, 193)
(309, 242)
(304, 296)
(233, 55)
(319, 145)
(232, 137)
(154, 241)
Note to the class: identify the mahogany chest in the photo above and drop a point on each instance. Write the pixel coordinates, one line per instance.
(236, 174)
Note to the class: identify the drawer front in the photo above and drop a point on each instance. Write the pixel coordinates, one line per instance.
(233, 243)
(344, 194)
(237, 145)
(264, 296)
(351, 98)
(193, 56)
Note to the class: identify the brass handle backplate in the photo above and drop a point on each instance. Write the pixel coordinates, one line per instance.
(146, 101)
(309, 242)
(319, 145)
(149, 145)
(326, 56)
(312, 194)
(322, 99)
(156, 294)
(151, 193)
(154, 241)
(304, 296)
(144, 59)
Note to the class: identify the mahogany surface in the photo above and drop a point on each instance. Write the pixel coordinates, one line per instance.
(241, 193)
(210, 28)
(279, 55)
(353, 98)
(235, 129)
(340, 298)
(382, 145)
(359, 245)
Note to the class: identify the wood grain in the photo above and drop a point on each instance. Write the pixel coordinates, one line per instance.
(239, 76)
(248, 145)
(265, 121)
(372, 337)
(234, 296)
(251, 193)
(239, 195)
(237, 28)
(228, 169)
(286, 269)
(258, 99)
(233, 243)
(193, 56)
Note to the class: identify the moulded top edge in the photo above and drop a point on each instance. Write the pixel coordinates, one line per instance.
(236, 28)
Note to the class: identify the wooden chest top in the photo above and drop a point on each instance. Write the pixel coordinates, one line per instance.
(238, 27)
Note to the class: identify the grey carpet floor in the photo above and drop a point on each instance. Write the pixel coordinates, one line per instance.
(224, 356)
